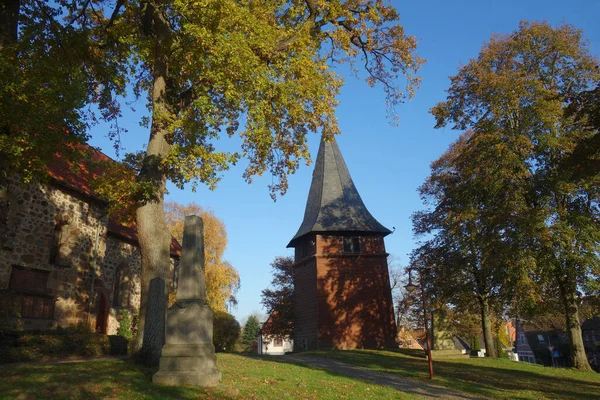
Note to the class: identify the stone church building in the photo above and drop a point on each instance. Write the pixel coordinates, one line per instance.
(341, 281)
(62, 260)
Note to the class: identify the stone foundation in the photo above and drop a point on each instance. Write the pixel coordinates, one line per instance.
(188, 357)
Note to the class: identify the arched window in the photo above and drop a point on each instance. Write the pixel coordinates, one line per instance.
(122, 288)
(60, 251)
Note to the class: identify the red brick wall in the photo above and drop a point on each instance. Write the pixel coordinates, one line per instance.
(305, 305)
(353, 298)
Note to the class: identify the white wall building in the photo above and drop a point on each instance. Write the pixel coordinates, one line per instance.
(273, 345)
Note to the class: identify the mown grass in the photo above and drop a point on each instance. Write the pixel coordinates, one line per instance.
(244, 377)
(494, 378)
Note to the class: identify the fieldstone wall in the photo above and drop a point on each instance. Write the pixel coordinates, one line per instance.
(50, 227)
(39, 215)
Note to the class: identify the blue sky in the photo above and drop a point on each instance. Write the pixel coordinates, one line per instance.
(387, 162)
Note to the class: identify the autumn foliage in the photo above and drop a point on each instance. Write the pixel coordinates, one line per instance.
(222, 279)
(278, 299)
(513, 221)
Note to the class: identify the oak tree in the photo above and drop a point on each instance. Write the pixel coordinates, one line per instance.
(518, 89)
(473, 220)
(260, 69)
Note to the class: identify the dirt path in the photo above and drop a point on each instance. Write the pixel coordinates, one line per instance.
(402, 384)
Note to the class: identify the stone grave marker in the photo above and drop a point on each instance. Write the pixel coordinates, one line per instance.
(188, 356)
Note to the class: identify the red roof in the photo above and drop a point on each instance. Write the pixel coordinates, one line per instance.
(79, 178)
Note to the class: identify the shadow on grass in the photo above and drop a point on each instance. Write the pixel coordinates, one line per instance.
(404, 386)
(263, 379)
(483, 377)
(90, 380)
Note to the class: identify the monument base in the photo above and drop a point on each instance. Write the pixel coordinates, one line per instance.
(188, 357)
(191, 378)
(185, 364)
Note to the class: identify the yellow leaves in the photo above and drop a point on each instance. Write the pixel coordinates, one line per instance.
(222, 279)
(268, 65)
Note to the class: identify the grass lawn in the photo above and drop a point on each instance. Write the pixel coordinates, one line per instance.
(500, 378)
(244, 377)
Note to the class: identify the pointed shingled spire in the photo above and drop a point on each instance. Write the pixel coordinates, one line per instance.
(334, 204)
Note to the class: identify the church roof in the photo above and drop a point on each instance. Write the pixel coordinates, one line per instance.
(334, 204)
(79, 178)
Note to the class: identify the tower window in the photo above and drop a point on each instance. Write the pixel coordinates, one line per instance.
(306, 249)
(351, 245)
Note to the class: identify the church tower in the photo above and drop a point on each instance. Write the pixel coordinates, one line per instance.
(342, 287)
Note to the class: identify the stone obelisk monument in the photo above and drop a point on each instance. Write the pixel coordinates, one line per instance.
(188, 356)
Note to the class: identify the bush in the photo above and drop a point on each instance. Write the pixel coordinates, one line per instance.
(500, 348)
(124, 325)
(475, 345)
(226, 330)
(52, 345)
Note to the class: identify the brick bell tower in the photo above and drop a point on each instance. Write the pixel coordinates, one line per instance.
(342, 286)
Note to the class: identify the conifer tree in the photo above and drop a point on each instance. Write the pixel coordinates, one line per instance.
(250, 332)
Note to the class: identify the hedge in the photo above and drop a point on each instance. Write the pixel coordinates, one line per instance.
(18, 346)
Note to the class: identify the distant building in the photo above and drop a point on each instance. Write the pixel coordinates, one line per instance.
(273, 344)
(341, 282)
(407, 339)
(62, 261)
(523, 349)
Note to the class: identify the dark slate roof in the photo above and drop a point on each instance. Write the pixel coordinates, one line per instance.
(334, 204)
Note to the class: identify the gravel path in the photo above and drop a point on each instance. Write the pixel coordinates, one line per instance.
(402, 384)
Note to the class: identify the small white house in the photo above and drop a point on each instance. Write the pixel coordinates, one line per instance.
(273, 345)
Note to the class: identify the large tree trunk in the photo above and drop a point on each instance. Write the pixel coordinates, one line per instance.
(4, 204)
(153, 231)
(9, 21)
(154, 331)
(486, 324)
(578, 356)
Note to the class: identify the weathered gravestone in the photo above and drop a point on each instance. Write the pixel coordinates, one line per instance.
(188, 357)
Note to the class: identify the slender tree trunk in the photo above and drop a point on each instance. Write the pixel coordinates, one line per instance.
(486, 324)
(578, 356)
(153, 231)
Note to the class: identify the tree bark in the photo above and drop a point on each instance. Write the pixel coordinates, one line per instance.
(578, 356)
(154, 328)
(486, 324)
(4, 204)
(153, 232)
(9, 21)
